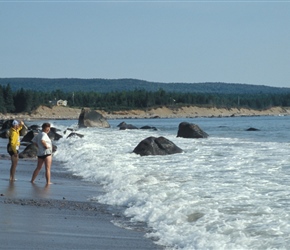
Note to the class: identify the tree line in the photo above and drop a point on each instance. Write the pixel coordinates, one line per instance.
(28, 100)
(128, 84)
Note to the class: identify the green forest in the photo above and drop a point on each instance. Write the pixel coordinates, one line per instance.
(28, 100)
(126, 84)
(21, 100)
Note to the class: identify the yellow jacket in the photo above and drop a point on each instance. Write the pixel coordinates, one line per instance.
(14, 139)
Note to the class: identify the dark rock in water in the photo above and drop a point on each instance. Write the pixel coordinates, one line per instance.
(252, 129)
(128, 126)
(34, 127)
(121, 124)
(91, 118)
(190, 130)
(25, 143)
(73, 134)
(2, 122)
(28, 137)
(124, 125)
(68, 129)
(148, 127)
(53, 135)
(4, 133)
(156, 146)
(29, 152)
(7, 124)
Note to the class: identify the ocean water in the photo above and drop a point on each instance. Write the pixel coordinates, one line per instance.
(229, 191)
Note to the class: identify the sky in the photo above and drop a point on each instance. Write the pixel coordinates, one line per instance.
(160, 41)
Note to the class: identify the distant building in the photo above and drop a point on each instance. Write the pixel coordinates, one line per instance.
(61, 103)
(58, 103)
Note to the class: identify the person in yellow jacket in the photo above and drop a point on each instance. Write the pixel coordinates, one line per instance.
(13, 146)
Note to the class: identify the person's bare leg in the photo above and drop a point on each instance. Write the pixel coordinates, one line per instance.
(14, 161)
(38, 168)
(47, 163)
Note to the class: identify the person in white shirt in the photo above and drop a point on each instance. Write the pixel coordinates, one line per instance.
(44, 153)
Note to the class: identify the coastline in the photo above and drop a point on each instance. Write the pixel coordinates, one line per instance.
(62, 216)
(63, 113)
(58, 216)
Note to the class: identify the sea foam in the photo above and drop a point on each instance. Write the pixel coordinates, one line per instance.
(229, 191)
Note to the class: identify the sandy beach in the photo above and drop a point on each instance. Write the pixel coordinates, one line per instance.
(61, 112)
(60, 216)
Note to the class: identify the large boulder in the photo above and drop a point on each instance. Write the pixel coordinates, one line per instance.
(156, 146)
(53, 135)
(34, 127)
(31, 151)
(29, 136)
(7, 124)
(91, 118)
(190, 130)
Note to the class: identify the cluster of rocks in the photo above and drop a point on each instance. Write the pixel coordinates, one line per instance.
(27, 133)
(151, 145)
(90, 118)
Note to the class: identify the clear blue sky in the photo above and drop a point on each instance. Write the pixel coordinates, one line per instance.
(161, 41)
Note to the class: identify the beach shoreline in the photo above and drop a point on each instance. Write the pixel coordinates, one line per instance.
(68, 113)
(59, 216)
(66, 216)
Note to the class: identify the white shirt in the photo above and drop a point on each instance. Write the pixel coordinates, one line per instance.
(41, 149)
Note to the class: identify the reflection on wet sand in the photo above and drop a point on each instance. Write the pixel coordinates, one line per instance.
(32, 190)
(11, 191)
(40, 191)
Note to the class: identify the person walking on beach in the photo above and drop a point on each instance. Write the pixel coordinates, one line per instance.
(44, 153)
(13, 146)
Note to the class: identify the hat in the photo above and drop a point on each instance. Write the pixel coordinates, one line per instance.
(14, 123)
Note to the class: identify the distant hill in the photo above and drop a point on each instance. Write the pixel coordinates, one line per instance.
(109, 85)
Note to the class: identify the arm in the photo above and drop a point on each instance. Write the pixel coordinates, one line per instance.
(21, 125)
(43, 142)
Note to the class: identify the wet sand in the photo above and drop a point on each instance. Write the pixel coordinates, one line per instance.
(59, 216)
